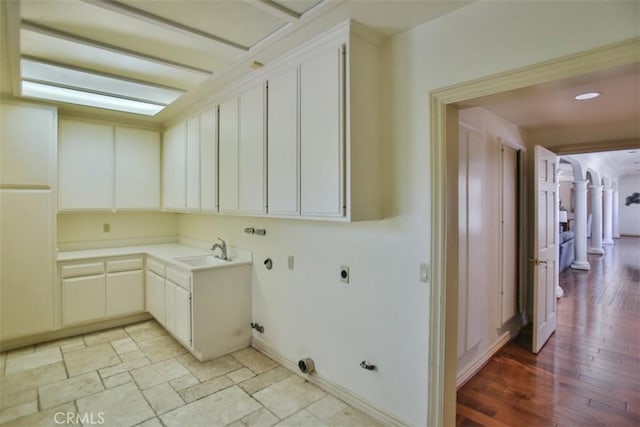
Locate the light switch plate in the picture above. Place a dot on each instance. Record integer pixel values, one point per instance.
(424, 272)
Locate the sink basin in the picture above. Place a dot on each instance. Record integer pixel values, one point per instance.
(202, 260)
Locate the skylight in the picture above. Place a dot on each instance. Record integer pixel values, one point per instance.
(57, 83)
(73, 96)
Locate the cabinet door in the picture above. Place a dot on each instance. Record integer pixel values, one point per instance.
(83, 299)
(209, 161)
(125, 292)
(27, 225)
(28, 137)
(322, 134)
(170, 306)
(182, 329)
(228, 151)
(86, 162)
(283, 161)
(174, 165)
(137, 169)
(251, 152)
(193, 164)
(154, 293)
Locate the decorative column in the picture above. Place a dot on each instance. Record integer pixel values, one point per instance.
(607, 213)
(616, 214)
(580, 226)
(596, 223)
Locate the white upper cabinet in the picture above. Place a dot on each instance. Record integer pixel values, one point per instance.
(86, 165)
(284, 149)
(104, 167)
(190, 164)
(209, 161)
(27, 135)
(321, 134)
(193, 164)
(242, 153)
(137, 169)
(174, 164)
(228, 152)
(251, 151)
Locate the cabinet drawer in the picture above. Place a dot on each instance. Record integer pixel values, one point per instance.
(87, 269)
(124, 265)
(155, 266)
(180, 278)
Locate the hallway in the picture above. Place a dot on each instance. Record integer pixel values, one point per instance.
(589, 371)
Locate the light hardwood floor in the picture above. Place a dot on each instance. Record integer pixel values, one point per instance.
(588, 374)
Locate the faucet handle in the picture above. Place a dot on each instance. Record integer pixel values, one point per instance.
(223, 242)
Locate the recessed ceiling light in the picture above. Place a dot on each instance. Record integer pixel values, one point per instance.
(588, 95)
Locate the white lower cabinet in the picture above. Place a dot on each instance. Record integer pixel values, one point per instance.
(101, 289)
(208, 311)
(83, 299)
(154, 292)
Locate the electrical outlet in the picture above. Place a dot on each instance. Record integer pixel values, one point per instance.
(106, 228)
(344, 273)
(290, 262)
(424, 272)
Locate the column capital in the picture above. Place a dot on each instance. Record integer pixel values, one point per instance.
(580, 184)
(596, 187)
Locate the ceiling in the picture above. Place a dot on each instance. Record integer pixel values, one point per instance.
(152, 54)
(612, 165)
(550, 116)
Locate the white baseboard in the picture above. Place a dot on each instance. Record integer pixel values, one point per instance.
(329, 386)
(72, 331)
(479, 363)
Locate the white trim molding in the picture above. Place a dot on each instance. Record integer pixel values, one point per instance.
(441, 408)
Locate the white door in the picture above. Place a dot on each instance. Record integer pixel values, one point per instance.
(251, 151)
(193, 164)
(209, 161)
(154, 296)
(182, 329)
(284, 150)
(321, 135)
(85, 165)
(545, 270)
(174, 167)
(137, 165)
(228, 156)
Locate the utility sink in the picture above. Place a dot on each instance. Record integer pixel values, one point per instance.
(203, 261)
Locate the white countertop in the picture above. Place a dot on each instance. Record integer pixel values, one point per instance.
(166, 252)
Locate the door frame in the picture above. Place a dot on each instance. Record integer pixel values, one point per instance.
(441, 384)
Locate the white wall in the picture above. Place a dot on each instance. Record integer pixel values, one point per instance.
(77, 231)
(382, 315)
(484, 330)
(629, 222)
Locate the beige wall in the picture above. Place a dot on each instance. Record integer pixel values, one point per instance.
(85, 230)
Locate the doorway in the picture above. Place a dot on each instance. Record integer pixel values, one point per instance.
(444, 221)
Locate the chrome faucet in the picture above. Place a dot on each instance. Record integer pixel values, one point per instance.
(223, 249)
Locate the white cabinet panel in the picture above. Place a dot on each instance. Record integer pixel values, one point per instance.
(174, 163)
(228, 151)
(154, 296)
(170, 306)
(182, 325)
(86, 165)
(125, 292)
(251, 151)
(209, 161)
(193, 164)
(283, 161)
(83, 299)
(321, 136)
(27, 142)
(27, 226)
(137, 177)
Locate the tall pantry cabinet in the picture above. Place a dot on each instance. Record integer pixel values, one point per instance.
(28, 140)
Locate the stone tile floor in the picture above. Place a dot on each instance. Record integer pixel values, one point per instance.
(138, 375)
